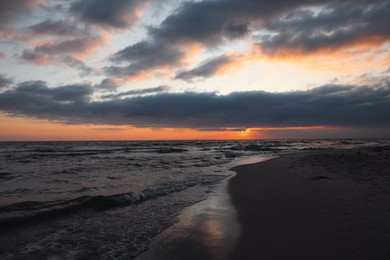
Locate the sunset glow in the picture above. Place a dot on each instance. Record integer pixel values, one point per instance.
(152, 70)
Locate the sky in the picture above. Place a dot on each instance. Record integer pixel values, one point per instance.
(208, 69)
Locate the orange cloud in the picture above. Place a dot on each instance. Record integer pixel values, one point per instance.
(236, 64)
(364, 56)
(48, 52)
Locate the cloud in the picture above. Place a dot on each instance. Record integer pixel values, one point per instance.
(34, 57)
(282, 25)
(332, 105)
(206, 69)
(138, 92)
(334, 27)
(210, 22)
(193, 23)
(79, 65)
(58, 28)
(69, 52)
(10, 10)
(72, 46)
(39, 89)
(4, 81)
(108, 84)
(115, 14)
(144, 56)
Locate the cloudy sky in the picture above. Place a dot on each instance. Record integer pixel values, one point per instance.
(209, 69)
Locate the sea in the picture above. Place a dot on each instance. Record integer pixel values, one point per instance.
(108, 199)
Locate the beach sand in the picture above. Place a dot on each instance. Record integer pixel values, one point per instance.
(311, 205)
(319, 205)
(207, 230)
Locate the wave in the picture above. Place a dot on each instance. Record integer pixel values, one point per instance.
(171, 150)
(33, 211)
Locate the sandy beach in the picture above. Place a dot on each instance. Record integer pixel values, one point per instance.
(319, 205)
(311, 205)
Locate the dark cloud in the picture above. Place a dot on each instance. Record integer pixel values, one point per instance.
(39, 89)
(143, 56)
(66, 51)
(334, 27)
(117, 14)
(206, 69)
(108, 84)
(5, 81)
(11, 9)
(76, 45)
(236, 30)
(209, 22)
(37, 100)
(329, 105)
(212, 23)
(193, 21)
(33, 57)
(78, 65)
(223, 129)
(59, 28)
(138, 92)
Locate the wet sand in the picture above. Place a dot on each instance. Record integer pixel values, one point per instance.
(313, 205)
(319, 205)
(207, 230)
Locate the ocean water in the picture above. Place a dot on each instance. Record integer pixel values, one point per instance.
(106, 200)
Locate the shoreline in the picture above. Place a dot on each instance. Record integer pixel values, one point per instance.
(307, 205)
(206, 230)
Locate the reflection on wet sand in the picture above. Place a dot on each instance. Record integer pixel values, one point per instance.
(206, 230)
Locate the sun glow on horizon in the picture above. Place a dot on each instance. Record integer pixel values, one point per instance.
(26, 129)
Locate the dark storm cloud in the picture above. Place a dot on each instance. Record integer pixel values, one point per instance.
(117, 14)
(332, 28)
(206, 69)
(329, 105)
(5, 81)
